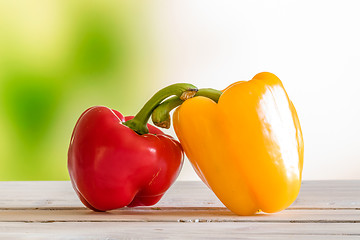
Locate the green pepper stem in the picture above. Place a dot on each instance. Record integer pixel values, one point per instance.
(182, 91)
(211, 93)
(161, 114)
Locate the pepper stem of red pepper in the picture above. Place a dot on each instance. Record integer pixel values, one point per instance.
(182, 91)
(161, 114)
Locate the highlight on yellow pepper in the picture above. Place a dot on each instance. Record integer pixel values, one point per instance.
(244, 142)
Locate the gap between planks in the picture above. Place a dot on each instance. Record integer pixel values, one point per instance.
(221, 215)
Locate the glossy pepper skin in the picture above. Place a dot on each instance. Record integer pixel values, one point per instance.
(248, 147)
(111, 166)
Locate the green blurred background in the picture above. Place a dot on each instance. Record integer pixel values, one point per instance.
(57, 58)
(60, 57)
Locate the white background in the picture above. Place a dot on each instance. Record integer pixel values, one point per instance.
(312, 46)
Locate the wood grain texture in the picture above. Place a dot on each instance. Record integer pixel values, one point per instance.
(51, 210)
(178, 215)
(169, 230)
(189, 194)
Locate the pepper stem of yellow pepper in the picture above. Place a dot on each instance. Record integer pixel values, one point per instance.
(182, 91)
(161, 114)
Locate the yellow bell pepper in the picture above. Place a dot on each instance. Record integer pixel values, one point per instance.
(248, 147)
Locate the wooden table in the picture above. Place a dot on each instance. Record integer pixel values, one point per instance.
(51, 210)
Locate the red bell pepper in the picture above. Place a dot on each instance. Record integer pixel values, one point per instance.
(117, 161)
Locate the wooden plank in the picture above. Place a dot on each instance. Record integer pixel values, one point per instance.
(51, 210)
(178, 215)
(169, 230)
(340, 194)
(38, 194)
(194, 195)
